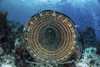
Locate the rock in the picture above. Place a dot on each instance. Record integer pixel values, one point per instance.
(69, 65)
(1, 51)
(5, 65)
(92, 51)
(92, 62)
(82, 65)
(98, 51)
(8, 59)
(97, 64)
(89, 57)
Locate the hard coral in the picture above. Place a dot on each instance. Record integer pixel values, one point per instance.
(89, 36)
(3, 28)
(3, 16)
(6, 37)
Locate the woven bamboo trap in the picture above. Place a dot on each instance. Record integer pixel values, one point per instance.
(50, 36)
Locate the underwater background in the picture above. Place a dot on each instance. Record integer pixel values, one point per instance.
(14, 14)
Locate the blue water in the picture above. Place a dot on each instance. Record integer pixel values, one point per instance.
(83, 12)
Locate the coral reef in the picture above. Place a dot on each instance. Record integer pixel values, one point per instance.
(90, 59)
(9, 32)
(3, 29)
(89, 36)
(3, 16)
(7, 40)
(18, 31)
(1, 51)
(11, 55)
(7, 61)
(6, 37)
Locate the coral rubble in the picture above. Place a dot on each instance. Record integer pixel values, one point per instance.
(87, 61)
